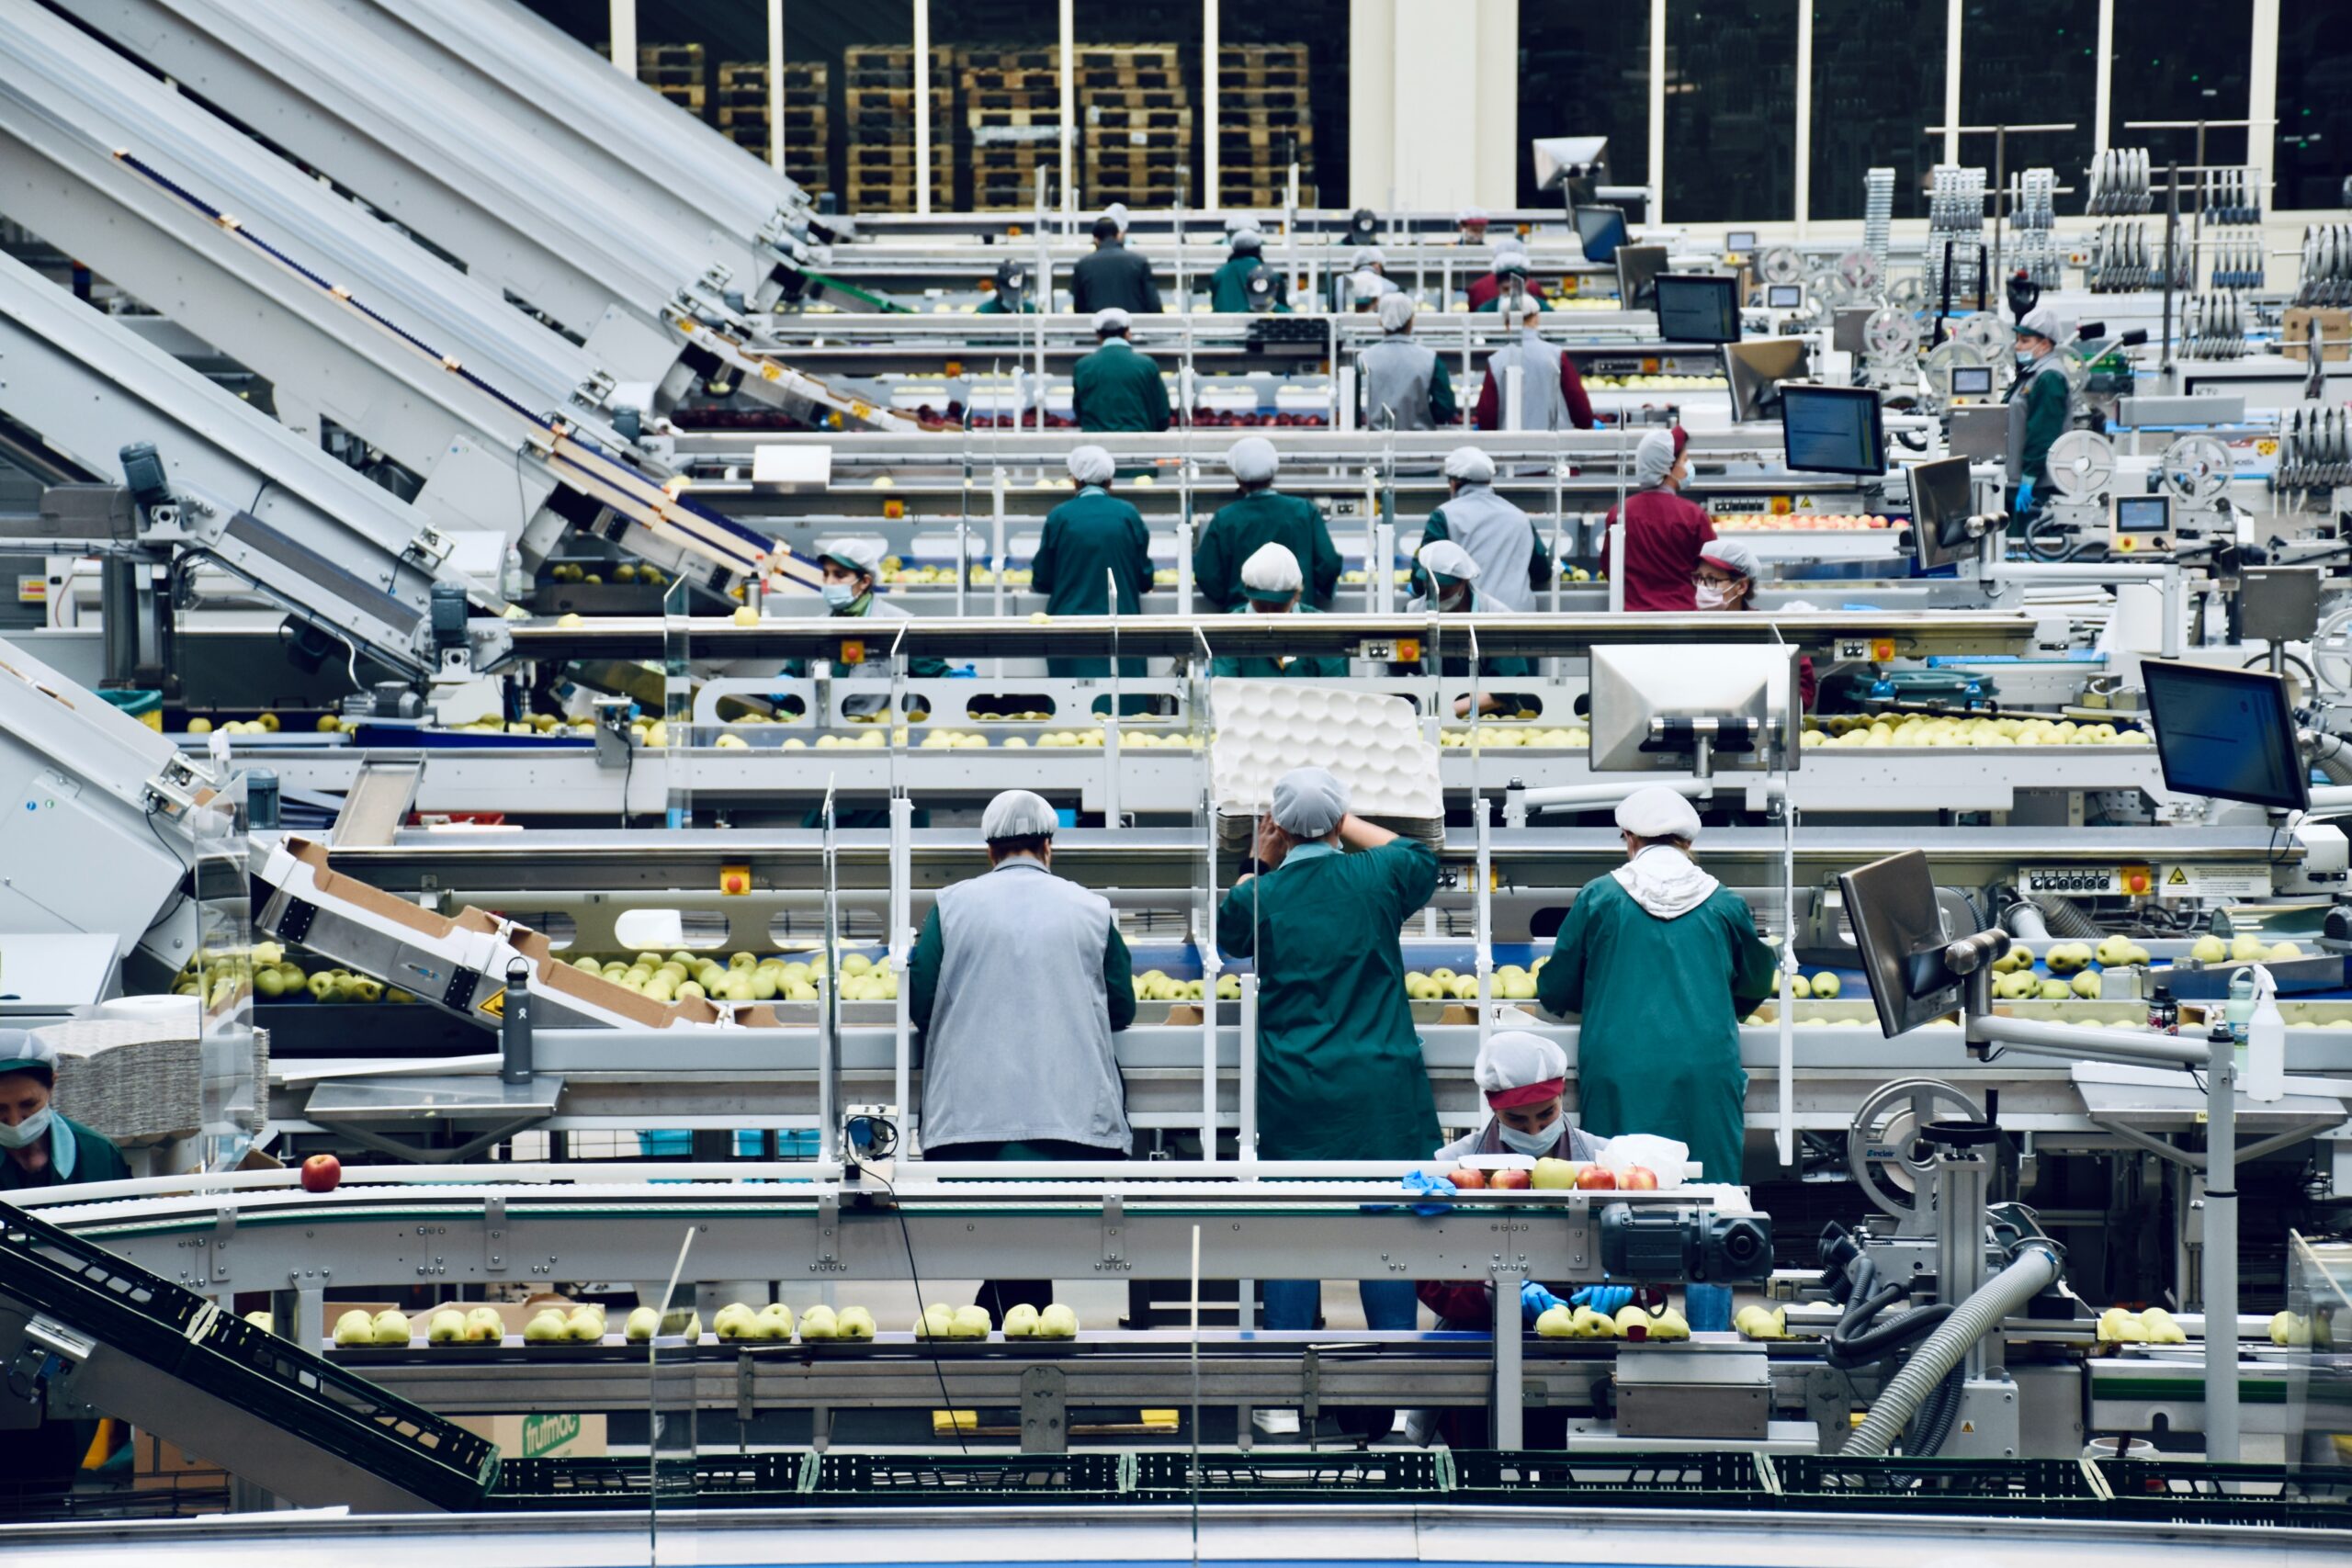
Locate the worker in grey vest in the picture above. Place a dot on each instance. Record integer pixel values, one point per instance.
(1513, 560)
(1018, 982)
(1403, 383)
(1551, 392)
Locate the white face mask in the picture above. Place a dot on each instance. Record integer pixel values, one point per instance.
(1714, 596)
(1520, 1143)
(26, 1133)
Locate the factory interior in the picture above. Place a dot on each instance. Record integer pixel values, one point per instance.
(531, 1034)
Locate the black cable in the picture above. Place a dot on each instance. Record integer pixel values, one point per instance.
(179, 893)
(1844, 1352)
(937, 1372)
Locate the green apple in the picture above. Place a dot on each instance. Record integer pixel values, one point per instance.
(547, 1329)
(392, 1328)
(1057, 1322)
(584, 1323)
(1826, 984)
(972, 1323)
(2086, 986)
(938, 1322)
(2056, 991)
(446, 1327)
(856, 1323)
(2209, 949)
(735, 1321)
(1020, 1321)
(1555, 1322)
(818, 1323)
(1555, 1175)
(355, 1327)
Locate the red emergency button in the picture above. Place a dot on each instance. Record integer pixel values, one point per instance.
(2137, 882)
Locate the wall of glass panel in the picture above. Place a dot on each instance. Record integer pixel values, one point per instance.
(1876, 88)
(2314, 156)
(2184, 60)
(2029, 63)
(1584, 71)
(1730, 109)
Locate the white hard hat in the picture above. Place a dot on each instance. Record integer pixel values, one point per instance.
(1658, 812)
(1271, 574)
(1253, 460)
(1309, 802)
(1090, 465)
(1470, 465)
(1018, 813)
(1112, 319)
(1443, 557)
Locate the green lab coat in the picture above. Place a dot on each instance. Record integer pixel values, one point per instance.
(2045, 398)
(1117, 388)
(1340, 1069)
(1092, 533)
(1263, 517)
(1250, 667)
(1661, 1001)
(994, 306)
(1228, 286)
(95, 1160)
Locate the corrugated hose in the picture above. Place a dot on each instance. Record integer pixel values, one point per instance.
(2035, 1266)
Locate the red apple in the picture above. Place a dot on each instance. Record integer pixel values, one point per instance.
(1513, 1180)
(1596, 1179)
(321, 1173)
(1467, 1177)
(1639, 1179)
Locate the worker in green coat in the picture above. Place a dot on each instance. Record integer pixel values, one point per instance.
(853, 567)
(1269, 586)
(1008, 294)
(1116, 388)
(2041, 401)
(1230, 284)
(1262, 515)
(1094, 543)
(1662, 960)
(1445, 578)
(1340, 1069)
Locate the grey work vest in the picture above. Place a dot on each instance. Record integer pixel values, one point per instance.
(2047, 365)
(1499, 538)
(1542, 405)
(1397, 374)
(1020, 1040)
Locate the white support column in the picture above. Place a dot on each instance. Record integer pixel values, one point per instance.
(2262, 99)
(1212, 38)
(1658, 110)
(1069, 114)
(775, 84)
(1804, 115)
(2103, 94)
(922, 107)
(623, 34)
(1952, 12)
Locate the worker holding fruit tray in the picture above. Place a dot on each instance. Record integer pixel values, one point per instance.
(1661, 961)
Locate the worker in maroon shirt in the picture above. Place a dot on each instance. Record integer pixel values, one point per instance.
(1551, 392)
(1663, 533)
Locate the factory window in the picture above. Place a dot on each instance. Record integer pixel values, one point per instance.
(2028, 63)
(1585, 70)
(2315, 107)
(1730, 110)
(1875, 91)
(2185, 60)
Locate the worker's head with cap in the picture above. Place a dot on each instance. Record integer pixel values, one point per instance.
(1247, 242)
(1271, 580)
(1371, 258)
(2040, 331)
(1529, 314)
(1658, 462)
(1510, 262)
(1468, 466)
(27, 1075)
(1254, 462)
(1019, 823)
(1656, 815)
(850, 566)
(1725, 576)
(1309, 805)
(1523, 1076)
(1090, 465)
(1112, 322)
(1395, 312)
(1451, 569)
(1106, 231)
(1117, 213)
(1472, 222)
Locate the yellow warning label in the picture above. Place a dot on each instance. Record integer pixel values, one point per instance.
(496, 1006)
(2179, 877)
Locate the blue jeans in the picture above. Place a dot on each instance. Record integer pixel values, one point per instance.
(1707, 1307)
(1292, 1303)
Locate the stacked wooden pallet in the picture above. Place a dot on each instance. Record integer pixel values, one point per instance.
(743, 94)
(1012, 120)
(1263, 123)
(678, 72)
(1135, 124)
(878, 110)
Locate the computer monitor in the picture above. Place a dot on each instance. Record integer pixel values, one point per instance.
(1972, 381)
(1901, 934)
(1833, 430)
(1784, 296)
(1980, 431)
(1849, 328)
(1638, 270)
(2139, 523)
(1756, 370)
(1942, 500)
(1698, 307)
(1600, 230)
(2226, 733)
(1739, 241)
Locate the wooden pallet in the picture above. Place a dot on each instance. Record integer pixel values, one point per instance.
(993, 81)
(1118, 117)
(1101, 80)
(798, 75)
(1050, 114)
(1043, 57)
(1287, 56)
(1270, 101)
(894, 97)
(1260, 78)
(685, 95)
(1129, 56)
(1266, 138)
(1134, 98)
(1249, 116)
(798, 119)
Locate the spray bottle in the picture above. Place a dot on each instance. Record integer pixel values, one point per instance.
(2262, 1065)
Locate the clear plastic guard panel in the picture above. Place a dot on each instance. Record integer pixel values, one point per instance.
(672, 1437)
(2314, 1332)
(678, 701)
(220, 872)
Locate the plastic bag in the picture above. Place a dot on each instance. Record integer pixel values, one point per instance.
(1662, 1157)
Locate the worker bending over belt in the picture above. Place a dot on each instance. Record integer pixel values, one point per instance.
(1269, 586)
(1513, 560)
(1021, 1071)
(1725, 579)
(1447, 577)
(1663, 533)
(1093, 544)
(1661, 961)
(853, 567)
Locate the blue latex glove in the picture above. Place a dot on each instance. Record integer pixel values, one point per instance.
(1423, 1185)
(2025, 495)
(1606, 1299)
(1534, 1300)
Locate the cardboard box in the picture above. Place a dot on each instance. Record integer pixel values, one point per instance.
(157, 1464)
(561, 1434)
(2334, 331)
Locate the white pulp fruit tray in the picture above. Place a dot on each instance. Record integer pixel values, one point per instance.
(1373, 744)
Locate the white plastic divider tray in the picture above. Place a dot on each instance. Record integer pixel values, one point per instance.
(1371, 743)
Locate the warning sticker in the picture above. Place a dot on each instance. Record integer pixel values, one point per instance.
(2228, 879)
(496, 1004)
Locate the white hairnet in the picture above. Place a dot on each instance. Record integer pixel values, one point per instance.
(1253, 460)
(1395, 311)
(1112, 319)
(1271, 573)
(1471, 215)
(1658, 812)
(1090, 465)
(858, 555)
(1117, 213)
(1309, 802)
(1469, 465)
(1369, 255)
(1445, 558)
(1515, 1058)
(1653, 458)
(22, 1051)
(1505, 242)
(1511, 260)
(1018, 814)
(1732, 555)
(1247, 239)
(2043, 321)
(1531, 309)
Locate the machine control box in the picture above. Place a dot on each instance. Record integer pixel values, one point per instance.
(2088, 881)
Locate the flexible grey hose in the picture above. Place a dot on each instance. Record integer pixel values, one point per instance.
(2333, 757)
(2024, 921)
(2034, 1267)
(2057, 917)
